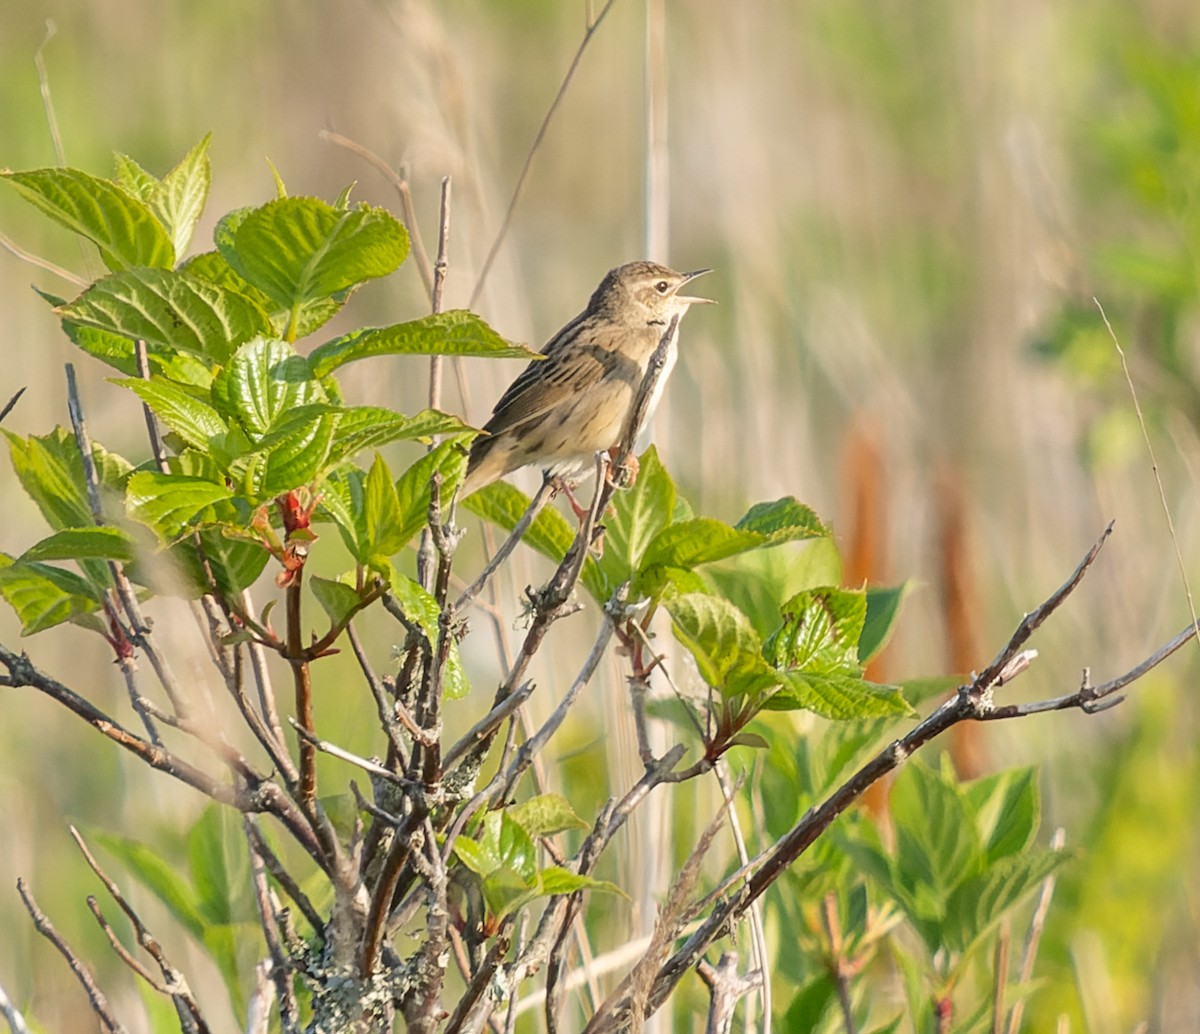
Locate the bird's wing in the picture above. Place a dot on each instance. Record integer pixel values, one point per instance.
(577, 359)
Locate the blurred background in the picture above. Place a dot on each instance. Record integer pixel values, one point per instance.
(910, 207)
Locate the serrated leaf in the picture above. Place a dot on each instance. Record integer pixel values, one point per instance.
(820, 632)
(196, 422)
(263, 381)
(133, 179)
(171, 505)
(234, 563)
(700, 540)
(784, 520)
(369, 427)
(178, 199)
(457, 332)
(544, 814)
(638, 514)
(726, 648)
(836, 696)
(501, 844)
(173, 309)
(419, 606)
(413, 486)
(123, 228)
(44, 596)
(50, 470)
(382, 512)
(342, 502)
(337, 599)
(100, 543)
(505, 891)
(121, 354)
(301, 249)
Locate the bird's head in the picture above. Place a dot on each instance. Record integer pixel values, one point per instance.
(645, 293)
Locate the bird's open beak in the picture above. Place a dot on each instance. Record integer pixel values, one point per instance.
(687, 278)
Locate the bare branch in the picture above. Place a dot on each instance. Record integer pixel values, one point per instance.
(16, 1022)
(280, 966)
(173, 983)
(96, 997)
(726, 988)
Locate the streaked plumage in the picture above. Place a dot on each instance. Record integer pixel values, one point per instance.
(563, 409)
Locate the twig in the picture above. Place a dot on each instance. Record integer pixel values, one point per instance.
(173, 984)
(260, 847)
(1162, 492)
(439, 286)
(1034, 936)
(140, 633)
(96, 997)
(487, 724)
(333, 750)
(11, 246)
(589, 32)
(536, 504)
(408, 210)
(280, 965)
(39, 61)
(16, 1022)
(1000, 975)
(10, 403)
(726, 987)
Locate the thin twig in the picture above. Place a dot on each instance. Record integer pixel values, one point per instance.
(10, 403)
(260, 847)
(96, 997)
(11, 246)
(589, 32)
(1034, 936)
(1162, 492)
(408, 210)
(280, 966)
(16, 1022)
(1000, 975)
(39, 61)
(173, 983)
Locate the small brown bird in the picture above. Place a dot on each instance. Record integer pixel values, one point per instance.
(563, 409)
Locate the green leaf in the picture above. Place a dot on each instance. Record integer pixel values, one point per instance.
(457, 332)
(369, 427)
(50, 469)
(639, 513)
(544, 814)
(196, 422)
(719, 636)
(173, 504)
(980, 902)
(159, 877)
(419, 606)
(301, 249)
(337, 599)
(121, 353)
(413, 486)
(178, 200)
(505, 891)
(550, 533)
(172, 309)
(557, 880)
(382, 512)
(123, 228)
(937, 845)
(837, 696)
(883, 606)
(99, 543)
(264, 381)
(820, 632)
(219, 863)
(784, 520)
(700, 540)
(133, 179)
(502, 844)
(43, 596)
(1007, 811)
(234, 563)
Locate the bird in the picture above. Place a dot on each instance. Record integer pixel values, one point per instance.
(564, 408)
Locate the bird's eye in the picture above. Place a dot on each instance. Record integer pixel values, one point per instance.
(661, 287)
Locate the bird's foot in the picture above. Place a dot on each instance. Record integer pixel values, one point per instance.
(625, 475)
(561, 484)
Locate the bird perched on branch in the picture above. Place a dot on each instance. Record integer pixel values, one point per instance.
(565, 408)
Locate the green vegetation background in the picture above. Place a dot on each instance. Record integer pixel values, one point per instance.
(910, 207)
